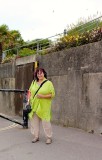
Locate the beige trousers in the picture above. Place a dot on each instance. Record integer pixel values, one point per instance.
(35, 127)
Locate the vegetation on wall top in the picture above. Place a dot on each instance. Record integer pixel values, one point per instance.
(82, 33)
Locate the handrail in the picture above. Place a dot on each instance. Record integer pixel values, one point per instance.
(12, 90)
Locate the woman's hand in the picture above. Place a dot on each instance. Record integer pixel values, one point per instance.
(44, 96)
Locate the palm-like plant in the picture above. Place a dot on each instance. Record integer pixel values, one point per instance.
(9, 39)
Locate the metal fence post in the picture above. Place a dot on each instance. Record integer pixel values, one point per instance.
(37, 47)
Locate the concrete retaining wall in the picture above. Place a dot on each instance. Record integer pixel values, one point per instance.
(7, 81)
(77, 76)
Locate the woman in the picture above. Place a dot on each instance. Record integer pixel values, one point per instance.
(41, 105)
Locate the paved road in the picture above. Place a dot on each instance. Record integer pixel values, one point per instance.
(68, 144)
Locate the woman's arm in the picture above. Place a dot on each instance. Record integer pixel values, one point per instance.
(46, 96)
(51, 92)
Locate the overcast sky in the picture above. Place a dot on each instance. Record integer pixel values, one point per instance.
(45, 18)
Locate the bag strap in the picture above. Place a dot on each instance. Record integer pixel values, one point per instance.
(40, 87)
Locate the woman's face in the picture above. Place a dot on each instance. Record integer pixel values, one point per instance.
(40, 75)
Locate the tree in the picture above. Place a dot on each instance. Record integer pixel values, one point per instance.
(9, 39)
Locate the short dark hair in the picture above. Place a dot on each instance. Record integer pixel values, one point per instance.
(42, 70)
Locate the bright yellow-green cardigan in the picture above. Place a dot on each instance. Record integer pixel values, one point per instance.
(42, 107)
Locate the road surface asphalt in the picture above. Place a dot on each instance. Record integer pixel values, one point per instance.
(68, 144)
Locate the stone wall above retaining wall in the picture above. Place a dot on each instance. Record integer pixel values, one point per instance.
(25, 60)
(87, 58)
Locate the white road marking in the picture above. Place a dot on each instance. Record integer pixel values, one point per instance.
(9, 127)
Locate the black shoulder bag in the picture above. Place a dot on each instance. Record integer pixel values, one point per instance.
(28, 106)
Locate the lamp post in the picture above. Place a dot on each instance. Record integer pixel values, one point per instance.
(65, 32)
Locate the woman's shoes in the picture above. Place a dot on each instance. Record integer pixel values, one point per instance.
(48, 141)
(35, 140)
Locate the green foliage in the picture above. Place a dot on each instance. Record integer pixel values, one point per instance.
(9, 38)
(79, 39)
(3, 30)
(40, 43)
(22, 53)
(83, 27)
(80, 34)
(26, 52)
(9, 58)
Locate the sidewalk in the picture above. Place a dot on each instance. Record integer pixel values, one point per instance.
(68, 144)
